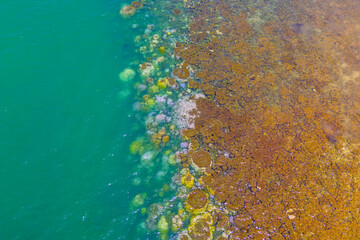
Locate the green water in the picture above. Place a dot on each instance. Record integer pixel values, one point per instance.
(64, 165)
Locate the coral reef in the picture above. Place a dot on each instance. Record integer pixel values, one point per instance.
(270, 148)
(279, 119)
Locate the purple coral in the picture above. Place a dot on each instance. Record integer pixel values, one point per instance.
(184, 145)
(160, 99)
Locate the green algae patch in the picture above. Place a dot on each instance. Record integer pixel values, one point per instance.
(127, 75)
(138, 201)
(136, 147)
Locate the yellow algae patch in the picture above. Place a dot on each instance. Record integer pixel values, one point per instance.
(162, 83)
(162, 50)
(188, 180)
(135, 147)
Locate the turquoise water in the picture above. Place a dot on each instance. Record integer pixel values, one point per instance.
(64, 168)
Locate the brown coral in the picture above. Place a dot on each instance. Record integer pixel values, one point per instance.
(136, 4)
(197, 199)
(190, 133)
(182, 73)
(201, 159)
(171, 82)
(127, 11)
(176, 11)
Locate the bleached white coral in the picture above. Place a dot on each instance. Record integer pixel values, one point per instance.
(184, 112)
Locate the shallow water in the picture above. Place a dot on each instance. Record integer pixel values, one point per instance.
(64, 168)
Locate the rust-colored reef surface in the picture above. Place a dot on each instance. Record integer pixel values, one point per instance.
(277, 138)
